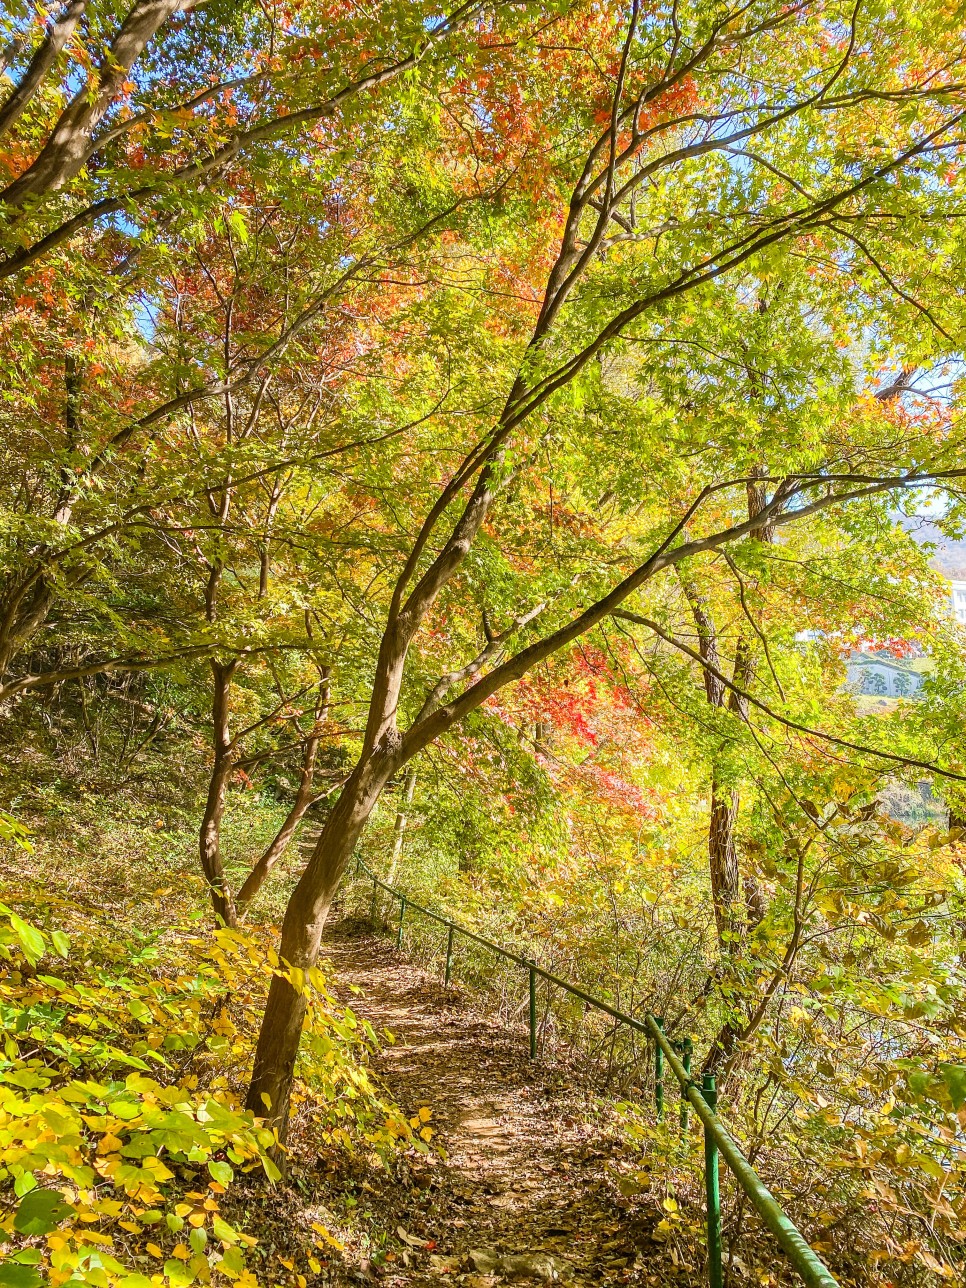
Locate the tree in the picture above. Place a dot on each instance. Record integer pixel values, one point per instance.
(172, 94)
(128, 136)
(683, 182)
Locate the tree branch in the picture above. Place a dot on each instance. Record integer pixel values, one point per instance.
(747, 697)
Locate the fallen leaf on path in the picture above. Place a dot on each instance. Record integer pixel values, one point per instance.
(410, 1238)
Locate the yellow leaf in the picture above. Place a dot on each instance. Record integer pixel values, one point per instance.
(425, 1114)
(158, 1169)
(95, 1236)
(181, 1252)
(330, 1239)
(670, 1205)
(154, 1250)
(427, 1133)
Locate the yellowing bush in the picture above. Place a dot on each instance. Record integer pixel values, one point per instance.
(120, 1120)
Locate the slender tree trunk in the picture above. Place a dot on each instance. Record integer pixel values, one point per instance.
(739, 905)
(209, 839)
(722, 853)
(399, 827)
(26, 605)
(21, 616)
(278, 1041)
(723, 858)
(280, 843)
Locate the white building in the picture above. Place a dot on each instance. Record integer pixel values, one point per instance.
(957, 594)
(881, 677)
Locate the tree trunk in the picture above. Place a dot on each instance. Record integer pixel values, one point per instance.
(722, 854)
(726, 889)
(26, 607)
(278, 1040)
(41, 63)
(399, 827)
(303, 799)
(64, 152)
(209, 840)
(22, 614)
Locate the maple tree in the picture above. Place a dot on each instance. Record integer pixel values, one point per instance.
(603, 282)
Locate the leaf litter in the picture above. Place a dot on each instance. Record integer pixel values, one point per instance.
(516, 1188)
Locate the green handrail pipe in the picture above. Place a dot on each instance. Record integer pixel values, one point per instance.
(804, 1258)
(712, 1189)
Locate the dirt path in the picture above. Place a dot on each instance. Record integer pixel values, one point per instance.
(523, 1192)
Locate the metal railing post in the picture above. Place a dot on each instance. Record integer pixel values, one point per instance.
(687, 1047)
(372, 906)
(712, 1190)
(449, 955)
(402, 913)
(533, 1010)
(659, 1073)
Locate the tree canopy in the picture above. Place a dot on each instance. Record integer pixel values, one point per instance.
(501, 416)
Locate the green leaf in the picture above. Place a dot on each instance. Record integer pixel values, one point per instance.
(31, 940)
(236, 221)
(232, 1263)
(920, 1083)
(954, 1076)
(178, 1273)
(41, 1211)
(61, 942)
(14, 1276)
(223, 1231)
(221, 1172)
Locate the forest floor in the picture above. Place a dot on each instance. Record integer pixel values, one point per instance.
(518, 1187)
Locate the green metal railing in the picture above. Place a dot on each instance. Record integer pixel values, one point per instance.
(703, 1099)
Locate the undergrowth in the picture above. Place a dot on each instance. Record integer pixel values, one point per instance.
(124, 1146)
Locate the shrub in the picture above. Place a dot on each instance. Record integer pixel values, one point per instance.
(120, 1126)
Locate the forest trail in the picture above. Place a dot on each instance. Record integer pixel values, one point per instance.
(522, 1193)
